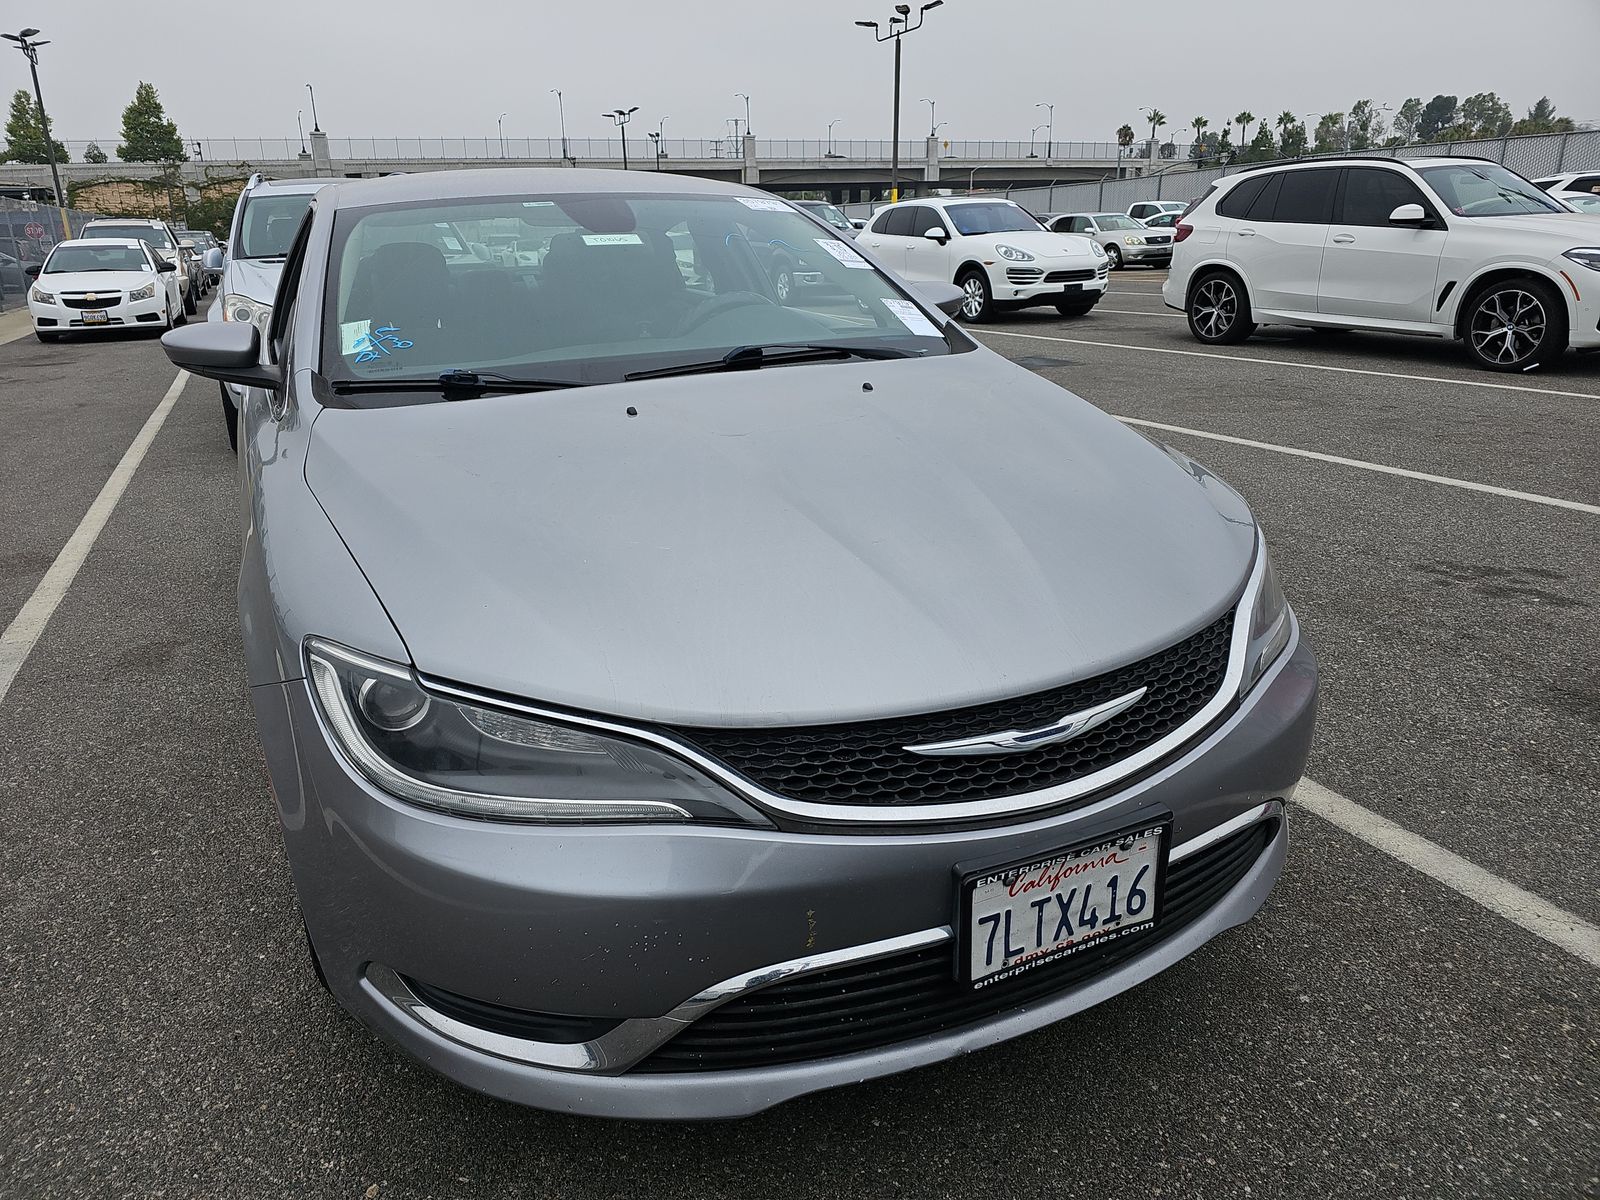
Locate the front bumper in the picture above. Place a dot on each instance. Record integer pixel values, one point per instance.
(62, 318)
(1146, 254)
(1017, 286)
(639, 924)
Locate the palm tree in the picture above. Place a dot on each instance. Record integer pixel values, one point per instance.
(1124, 140)
(1285, 122)
(1243, 121)
(1157, 119)
(1199, 125)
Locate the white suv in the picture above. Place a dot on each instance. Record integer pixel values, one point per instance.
(1143, 210)
(993, 250)
(1445, 247)
(161, 239)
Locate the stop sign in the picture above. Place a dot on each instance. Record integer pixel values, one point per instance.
(34, 230)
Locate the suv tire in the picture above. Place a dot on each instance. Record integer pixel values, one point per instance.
(1515, 325)
(978, 306)
(1219, 309)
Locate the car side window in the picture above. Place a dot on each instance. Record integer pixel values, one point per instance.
(1239, 198)
(1261, 208)
(900, 220)
(1372, 193)
(1078, 225)
(880, 223)
(1306, 197)
(1584, 183)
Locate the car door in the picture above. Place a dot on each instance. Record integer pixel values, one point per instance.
(1372, 269)
(1277, 240)
(926, 258)
(884, 236)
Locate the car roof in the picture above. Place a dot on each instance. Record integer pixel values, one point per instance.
(98, 242)
(487, 182)
(290, 186)
(124, 221)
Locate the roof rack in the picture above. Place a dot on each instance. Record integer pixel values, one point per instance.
(1351, 156)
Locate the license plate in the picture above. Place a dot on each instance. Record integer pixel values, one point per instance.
(1021, 916)
(94, 316)
(1072, 287)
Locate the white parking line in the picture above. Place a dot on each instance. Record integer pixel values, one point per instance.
(1448, 481)
(17, 642)
(1291, 363)
(1537, 915)
(1134, 312)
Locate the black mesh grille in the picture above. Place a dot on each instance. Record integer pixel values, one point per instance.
(1069, 276)
(866, 763)
(101, 300)
(913, 995)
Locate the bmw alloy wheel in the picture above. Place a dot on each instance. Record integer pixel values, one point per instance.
(1216, 307)
(1508, 327)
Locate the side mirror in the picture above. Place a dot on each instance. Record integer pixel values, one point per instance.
(937, 234)
(225, 350)
(858, 223)
(1410, 214)
(163, 267)
(946, 297)
(212, 260)
(32, 270)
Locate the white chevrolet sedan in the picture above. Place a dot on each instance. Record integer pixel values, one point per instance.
(103, 283)
(993, 250)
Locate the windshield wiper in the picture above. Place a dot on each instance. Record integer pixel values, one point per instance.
(781, 354)
(457, 385)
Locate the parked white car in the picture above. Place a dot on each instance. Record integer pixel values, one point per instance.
(103, 283)
(1573, 183)
(1152, 208)
(830, 214)
(1444, 247)
(994, 250)
(1125, 240)
(162, 239)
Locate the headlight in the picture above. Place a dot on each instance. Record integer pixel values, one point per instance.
(39, 295)
(1099, 250)
(460, 758)
(246, 311)
(1269, 627)
(1585, 256)
(144, 293)
(1133, 239)
(1012, 254)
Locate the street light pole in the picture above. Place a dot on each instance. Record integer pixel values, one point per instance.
(901, 18)
(500, 124)
(562, 110)
(1050, 124)
(831, 124)
(300, 124)
(749, 129)
(621, 116)
(316, 126)
(31, 50)
(661, 127)
(932, 109)
(1032, 135)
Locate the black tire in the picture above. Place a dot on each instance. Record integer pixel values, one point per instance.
(46, 337)
(189, 306)
(230, 418)
(1114, 253)
(978, 306)
(1515, 325)
(1075, 308)
(1219, 309)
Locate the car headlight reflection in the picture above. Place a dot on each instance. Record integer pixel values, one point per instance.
(146, 292)
(1133, 239)
(1270, 625)
(1012, 254)
(461, 758)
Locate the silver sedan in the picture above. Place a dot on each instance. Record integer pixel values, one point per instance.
(1126, 240)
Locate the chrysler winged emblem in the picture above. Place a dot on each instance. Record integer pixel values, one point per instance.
(1064, 729)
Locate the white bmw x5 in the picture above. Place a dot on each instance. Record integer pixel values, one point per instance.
(1444, 247)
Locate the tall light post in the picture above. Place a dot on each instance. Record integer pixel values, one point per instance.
(621, 117)
(500, 124)
(749, 129)
(657, 137)
(31, 49)
(831, 124)
(316, 126)
(1032, 134)
(1050, 124)
(300, 124)
(561, 110)
(902, 20)
(932, 109)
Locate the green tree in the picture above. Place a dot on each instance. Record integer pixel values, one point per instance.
(1542, 118)
(1365, 125)
(1486, 115)
(1262, 147)
(1242, 120)
(1124, 140)
(1330, 133)
(1157, 119)
(1198, 148)
(1292, 144)
(1224, 145)
(25, 132)
(1405, 121)
(92, 153)
(147, 134)
(1437, 115)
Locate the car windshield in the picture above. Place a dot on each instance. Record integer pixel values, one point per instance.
(1588, 204)
(150, 235)
(990, 216)
(1116, 221)
(1482, 189)
(269, 224)
(830, 214)
(592, 288)
(96, 258)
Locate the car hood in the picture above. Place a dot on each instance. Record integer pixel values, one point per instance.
(1578, 229)
(94, 281)
(255, 278)
(779, 546)
(1044, 243)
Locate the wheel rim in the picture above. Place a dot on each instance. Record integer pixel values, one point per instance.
(1216, 307)
(1114, 255)
(972, 306)
(783, 285)
(1508, 326)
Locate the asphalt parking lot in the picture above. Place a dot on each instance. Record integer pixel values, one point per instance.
(1393, 1024)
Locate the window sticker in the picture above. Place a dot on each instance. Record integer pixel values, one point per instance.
(538, 204)
(375, 345)
(612, 239)
(764, 203)
(844, 253)
(911, 317)
(349, 333)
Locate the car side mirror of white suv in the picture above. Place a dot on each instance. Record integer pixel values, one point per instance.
(937, 234)
(1410, 214)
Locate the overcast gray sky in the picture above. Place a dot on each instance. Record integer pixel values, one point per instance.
(412, 68)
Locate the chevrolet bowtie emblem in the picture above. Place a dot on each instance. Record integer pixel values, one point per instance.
(1013, 740)
(91, 296)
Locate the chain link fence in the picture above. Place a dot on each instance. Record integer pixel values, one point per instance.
(1534, 156)
(28, 230)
